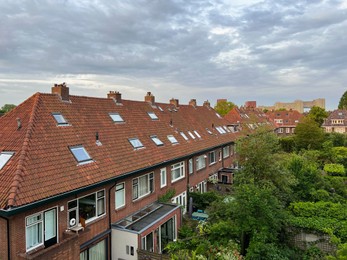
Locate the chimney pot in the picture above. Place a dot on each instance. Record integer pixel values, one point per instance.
(62, 90)
(207, 104)
(174, 102)
(192, 102)
(150, 98)
(116, 96)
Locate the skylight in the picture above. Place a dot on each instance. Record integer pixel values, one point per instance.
(156, 140)
(220, 130)
(191, 135)
(160, 109)
(60, 119)
(184, 136)
(4, 158)
(116, 117)
(136, 143)
(226, 129)
(197, 134)
(80, 154)
(218, 115)
(152, 115)
(172, 139)
(208, 131)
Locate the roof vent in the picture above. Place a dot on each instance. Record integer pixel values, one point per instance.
(116, 96)
(19, 124)
(62, 90)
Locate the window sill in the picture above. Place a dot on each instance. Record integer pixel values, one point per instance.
(178, 179)
(120, 208)
(212, 163)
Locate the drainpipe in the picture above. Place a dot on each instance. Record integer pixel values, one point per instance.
(8, 237)
(109, 215)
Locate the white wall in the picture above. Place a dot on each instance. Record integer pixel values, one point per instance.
(119, 242)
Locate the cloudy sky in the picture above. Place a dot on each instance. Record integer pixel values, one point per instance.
(268, 51)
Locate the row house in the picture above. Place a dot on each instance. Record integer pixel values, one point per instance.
(84, 177)
(336, 122)
(285, 121)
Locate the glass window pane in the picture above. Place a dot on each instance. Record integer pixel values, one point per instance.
(4, 158)
(135, 142)
(152, 116)
(116, 117)
(80, 154)
(98, 252)
(87, 207)
(172, 139)
(156, 140)
(60, 119)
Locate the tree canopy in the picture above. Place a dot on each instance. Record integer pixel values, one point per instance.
(223, 107)
(343, 101)
(308, 134)
(318, 114)
(6, 108)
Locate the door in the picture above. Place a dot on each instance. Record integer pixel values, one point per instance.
(224, 179)
(50, 225)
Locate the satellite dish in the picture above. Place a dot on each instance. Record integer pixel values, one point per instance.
(72, 222)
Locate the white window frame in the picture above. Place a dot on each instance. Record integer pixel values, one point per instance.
(163, 177)
(184, 136)
(37, 222)
(212, 159)
(60, 119)
(136, 143)
(197, 134)
(120, 191)
(226, 151)
(181, 200)
(177, 168)
(200, 162)
(137, 188)
(85, 159)
(77, 208)
(156, 140)
(191, 166)
(172, 139)
(191, 135)
(116, 117)
(152, 115)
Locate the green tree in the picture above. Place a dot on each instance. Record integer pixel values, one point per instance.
(7, 107)
(343, 101)
(308, 134)
(318, 114)
(223, 107)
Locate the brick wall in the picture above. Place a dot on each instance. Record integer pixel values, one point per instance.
(3, 239)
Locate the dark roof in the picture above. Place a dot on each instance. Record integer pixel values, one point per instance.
(43, 166)
(336, 114)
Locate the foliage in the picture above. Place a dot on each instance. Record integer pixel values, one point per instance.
(334, 169)
(313, 253)
(318, 114)
(308, 134)
(343, 101)
(202, 200)
(223, 107)
(167, 196)
(341, 253)
(6, 108)
(287, 144)
(337, 139)
(339, 155)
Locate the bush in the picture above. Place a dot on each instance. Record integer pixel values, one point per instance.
(334, 169)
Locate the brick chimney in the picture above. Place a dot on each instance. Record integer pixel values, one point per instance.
(62, 90)
(250, 104)
(192, 102)
(150, 98)
(207, 104)
(174, 102)
(115, 95)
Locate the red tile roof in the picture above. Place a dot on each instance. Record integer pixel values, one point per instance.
(43, 165)
(290, 118)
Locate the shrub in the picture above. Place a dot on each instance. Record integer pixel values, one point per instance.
(334, 169)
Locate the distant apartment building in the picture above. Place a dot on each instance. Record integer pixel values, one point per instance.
(285, 121)
(336, 122)
(297, 105)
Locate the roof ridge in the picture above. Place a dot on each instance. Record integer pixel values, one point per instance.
(18, 176)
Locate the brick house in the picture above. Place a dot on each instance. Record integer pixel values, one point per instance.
(285, 121)
(80, 177)
(336, 122)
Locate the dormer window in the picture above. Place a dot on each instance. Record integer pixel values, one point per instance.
(197, 134)
(4, 158)
(184, 136)
(191, 135)
(136, 143)
(80, 154)
(116, 117)
(172, 139)
(156, 140)
(60, 119)
(152, 115)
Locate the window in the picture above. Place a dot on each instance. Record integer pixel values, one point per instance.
(226, 151)
(212, 157)
(184, 136)
(160, 109)
(86, 208)
(156, 140)
(147, 242)
(4, 158)
(208, 131)
(201, 187)
(191, 135)
(136, 143)
(41, 229)
(181, 200)
(162, 177)
(220, 130)
(34, 231)
(143, 185)
(172, 139)
(280, 130)
(152, 115)
(226, 129)
(177, 171)
(97, 251)
(287, 130)
(116, 117)
(60, 119)
(200, 162)
(190, 166)
(218, 115)
(167, 233)
(80, 154)
(120, 195)
(197, 134)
